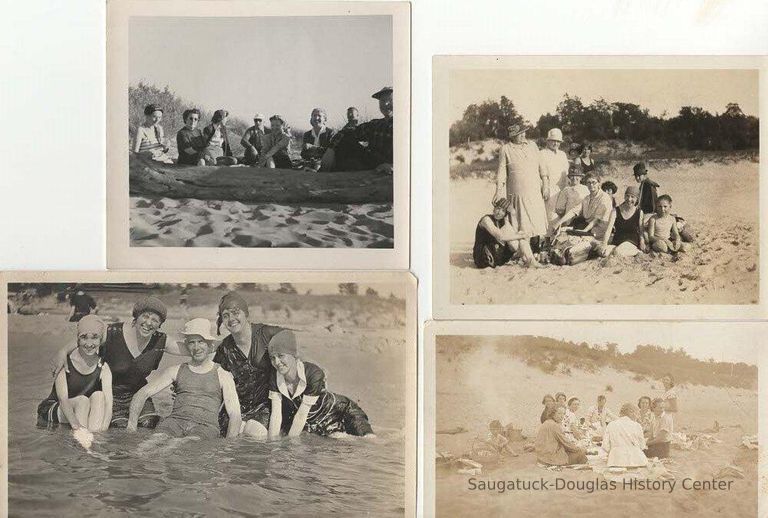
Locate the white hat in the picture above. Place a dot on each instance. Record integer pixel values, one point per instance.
(200, 327)
(555, 134)
(259, 116)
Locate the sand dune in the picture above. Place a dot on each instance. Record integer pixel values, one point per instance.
(486, 385)
(189, 222)
(719, 199)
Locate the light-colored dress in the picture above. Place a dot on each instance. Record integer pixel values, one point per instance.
(623, 440)
(553, 164)
(520, 164)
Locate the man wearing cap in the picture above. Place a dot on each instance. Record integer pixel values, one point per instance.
(253, 140)
(316, 141)
(345, 152)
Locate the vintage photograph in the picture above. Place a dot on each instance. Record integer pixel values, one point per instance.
(596, 184)
(291, 394)
(259, 128)
(584, 418)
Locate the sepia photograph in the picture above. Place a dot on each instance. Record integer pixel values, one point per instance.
(290, 394)
(258, 127)
(597, 181)
(585, 418)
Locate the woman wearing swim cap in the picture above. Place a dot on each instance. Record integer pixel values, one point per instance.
(132, 350)
(82, 395)
(244, 354)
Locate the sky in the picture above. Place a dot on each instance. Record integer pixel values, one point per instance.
(285, 65)
(536, 92)
(735, 343)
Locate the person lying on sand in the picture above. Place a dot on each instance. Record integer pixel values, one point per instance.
(571, 196)
(315, 142)
(82, 395)
(275, 146)
(218, 152)
(497, 239)
(190, 141)
(648, 189)
(345, 152)
(300, 400)
(253, 140)
(623, 439)
(552, 447)
(628, 237)
(662, 229)
(150, 137)
(662, 428)
(200, 386)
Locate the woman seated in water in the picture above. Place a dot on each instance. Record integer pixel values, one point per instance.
(199, 387)
(218, 151)
(300, 400)
(623, 439)
(82, 395)
(150, 138)
(132, 350)
(552, 447)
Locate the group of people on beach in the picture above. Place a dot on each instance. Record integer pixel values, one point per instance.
(640, 431)
(253, 382)
(549, 209)
(355, 147)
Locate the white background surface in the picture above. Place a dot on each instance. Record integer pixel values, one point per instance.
(52, 99)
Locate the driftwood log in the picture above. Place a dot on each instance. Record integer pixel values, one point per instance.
(256, 184)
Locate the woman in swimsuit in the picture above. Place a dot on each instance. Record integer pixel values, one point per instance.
(82, 395)
(628, 225)
(244, 354)
(300, 400)
(132, 351)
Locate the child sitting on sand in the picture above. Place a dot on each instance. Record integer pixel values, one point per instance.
(82, 395)
(497, 239)
(300, 400)
(662, 228)
(200, 387)
(496, 439)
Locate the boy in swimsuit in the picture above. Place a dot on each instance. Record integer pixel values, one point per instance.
(82, 394)
(662, 229)
(200, 387)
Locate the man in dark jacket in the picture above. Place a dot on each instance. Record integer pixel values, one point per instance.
(648, 189)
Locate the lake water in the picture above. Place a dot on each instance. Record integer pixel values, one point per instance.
(50, 474)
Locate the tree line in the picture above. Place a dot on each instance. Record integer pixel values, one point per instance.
(692, 128)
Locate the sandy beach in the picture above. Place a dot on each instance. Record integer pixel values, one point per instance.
(719, 198)
(468, 398)
(193, 223)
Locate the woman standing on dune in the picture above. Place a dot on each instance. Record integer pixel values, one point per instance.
(244, 354)
(520, 179)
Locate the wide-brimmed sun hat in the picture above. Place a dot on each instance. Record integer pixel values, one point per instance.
(555, 134)
(516, 129)
(259, 116)
(200, 327)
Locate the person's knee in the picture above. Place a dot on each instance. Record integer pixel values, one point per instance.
(97, 398)
(660, 246)
(255, 429)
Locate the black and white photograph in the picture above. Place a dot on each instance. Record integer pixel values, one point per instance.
(210, 394)
(256, 129)
(591, 180)
(588, 418)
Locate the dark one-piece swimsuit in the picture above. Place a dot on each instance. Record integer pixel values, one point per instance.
(78, 384)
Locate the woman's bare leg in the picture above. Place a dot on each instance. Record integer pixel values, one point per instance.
(254, 429)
